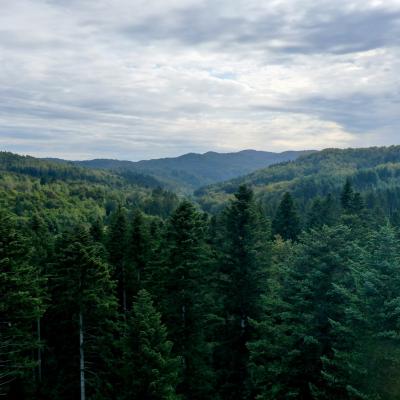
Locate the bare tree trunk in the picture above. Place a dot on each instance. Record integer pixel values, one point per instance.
(125, 307)
(39, 350)
(183, 342)
(81, 357)
(124, 304)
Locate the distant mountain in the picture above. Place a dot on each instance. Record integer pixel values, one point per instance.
(374, 171)
(191, 171)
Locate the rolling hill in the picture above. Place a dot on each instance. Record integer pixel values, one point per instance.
(374, 171)
(191, 171)
(65, 193)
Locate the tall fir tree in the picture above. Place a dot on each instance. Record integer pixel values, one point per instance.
(150, 371)
(313, 302)
(266, 372)
(242, 275)
(138, 253)
(180, 289)
(352, 202)
(117, 248)
(42, 243)
(286, 222)
(347, 196)
(21, 305)
(368, 366)
(81, 321)
(323, 211)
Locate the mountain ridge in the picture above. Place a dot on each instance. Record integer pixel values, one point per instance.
(191, 171)
(317, 174)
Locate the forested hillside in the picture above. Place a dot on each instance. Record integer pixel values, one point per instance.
(192, 170)
(375, 172)
(64, 193)
(115, 290)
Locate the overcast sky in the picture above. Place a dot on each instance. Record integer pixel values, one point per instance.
(138, 79)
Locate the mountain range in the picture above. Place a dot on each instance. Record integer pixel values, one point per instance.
(192, 171)
(374, 171)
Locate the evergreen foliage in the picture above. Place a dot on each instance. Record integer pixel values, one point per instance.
(120, 291)
(21, 304)
(243, 272)
(150, 371)
(286, 222)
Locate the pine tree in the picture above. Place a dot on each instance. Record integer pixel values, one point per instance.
(139, 248)
(243, 271)
(266, 371)
(323, 212)
(368, 366)
(150, 370)
(117, 249)
(81, 321)
(180, 289)
(286, 222)
(347, 196)
(42, 244)
(352, 202)
(21, 305)
(314, 300)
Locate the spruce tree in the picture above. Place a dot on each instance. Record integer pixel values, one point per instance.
(179, 284)
(286, 222)
(81, 321)
(42, 243)
(314, 300)
(138, 253)
(266, 371)
(368, 365)
(117, 248)
(21, 305)
(323, 212)
(149, 369)
(352, 202)
(242, 277)
(347, 196)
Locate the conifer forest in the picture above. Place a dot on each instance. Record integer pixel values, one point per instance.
(280, 284)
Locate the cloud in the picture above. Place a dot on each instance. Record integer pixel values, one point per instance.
(134, 80)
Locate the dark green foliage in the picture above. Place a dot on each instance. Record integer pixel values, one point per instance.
(117, 242)
(372, 362)
(239, 312)
(179, 284)
(312, 302)
(138, 248)
(286, 222)
(149, 369)
(243, 272)
(82, 299)
(352, 202)
(323, 212)
(371, 170)
(21, 304)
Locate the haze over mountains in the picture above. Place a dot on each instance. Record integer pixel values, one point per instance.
(191, 171)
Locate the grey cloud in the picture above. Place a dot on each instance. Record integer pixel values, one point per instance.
(148, 79)
(341, 32)
(353, 32)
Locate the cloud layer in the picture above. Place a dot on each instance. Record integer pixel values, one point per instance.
(141, 79)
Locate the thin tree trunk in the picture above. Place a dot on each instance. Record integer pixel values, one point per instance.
(82, 357)
(123, 284)
(39, 350)
(125, 307)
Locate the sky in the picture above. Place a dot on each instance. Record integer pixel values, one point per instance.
(139, 79)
